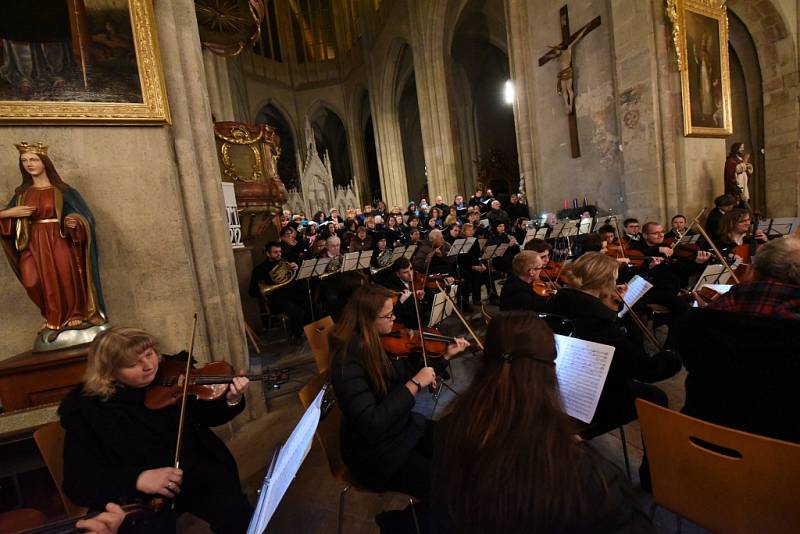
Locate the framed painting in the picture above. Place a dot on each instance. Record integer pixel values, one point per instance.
(700, 34)
(80, 61)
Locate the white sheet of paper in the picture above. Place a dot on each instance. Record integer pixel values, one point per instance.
(530, 234)
(456, 247)
(541, 233)
(350, 261)
(306, 269)
(637, 287)
(712, 274)
(397, 253)
(581, 369)
(288, 462)
(320, 268)
(410, 251)
(720, 288)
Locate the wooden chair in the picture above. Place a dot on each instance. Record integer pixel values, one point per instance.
(328, 437)
(50, 441)
(722, 479)
(317, 336)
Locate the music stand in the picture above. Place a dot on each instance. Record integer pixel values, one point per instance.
(409, 253)
(305, 272)
(712, 275)
(440, 308)
(530, 234)
(356, 260)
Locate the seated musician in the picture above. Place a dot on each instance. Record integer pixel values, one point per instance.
(722, 205)
(500, 236)
(517, 292)
(452, 233)
(118, 450)
(667, 278)
(608, 233)
(336, 287)
(290, 299)
(734, 230)
(431, 256)
(523, 470)
(385, 445)
(630, 228)
(592, 306)
(399, 279)
(541, 247)
(679, 228)
(741, 351)
(379, 238)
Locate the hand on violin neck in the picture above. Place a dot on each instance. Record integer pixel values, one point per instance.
(458, 345)
(236, 389)
(107, 522)
(702, 256)
(666, 251)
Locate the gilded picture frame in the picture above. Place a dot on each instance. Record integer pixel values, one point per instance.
(81, 62)
(700, 35)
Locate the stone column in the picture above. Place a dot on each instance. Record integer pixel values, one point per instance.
(385, 119)
(208, 248)
(219, 86)
(521, 54)
(440, 141)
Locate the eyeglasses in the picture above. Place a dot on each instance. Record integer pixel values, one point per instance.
(390, 317)
(655, 233)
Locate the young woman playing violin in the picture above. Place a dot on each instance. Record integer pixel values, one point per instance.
(385, 444)
(118, 450)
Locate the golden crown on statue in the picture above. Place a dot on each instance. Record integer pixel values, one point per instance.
(32, 148)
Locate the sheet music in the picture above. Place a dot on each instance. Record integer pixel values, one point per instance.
(712, 274)
(470, 242)
(438, 309)
(581, 370)
(611, 220)
(285, 466)
(397, 253)
(541, 233)
(410, 251)
(784, 226)
(306, 269)
(689, 239)
(455, 248)
(530, 234)
(720, 288)
(501, 249)
(585, 226)
(637, 287)
(365, 259)
(321, 265)
(558, 229)
(350, 261)
(488, 251)
(482, 243)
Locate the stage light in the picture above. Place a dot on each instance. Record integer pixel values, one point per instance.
(508, 92)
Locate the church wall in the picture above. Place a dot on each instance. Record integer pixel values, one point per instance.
(596, 174)
(161, 224)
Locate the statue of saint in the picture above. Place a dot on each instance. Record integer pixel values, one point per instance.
(48, 235)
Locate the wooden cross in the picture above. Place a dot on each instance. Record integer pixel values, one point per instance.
(563, 50)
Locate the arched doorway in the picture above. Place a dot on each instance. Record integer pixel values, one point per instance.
(411, 128)
(747, 103)
(287, 163)
(331, 136)
(480, 70)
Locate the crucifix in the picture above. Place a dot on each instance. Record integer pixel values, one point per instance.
(565, 89)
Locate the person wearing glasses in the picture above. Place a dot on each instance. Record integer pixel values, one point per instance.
(385, 444)
(518, 293)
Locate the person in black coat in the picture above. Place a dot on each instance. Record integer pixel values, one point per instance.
(517, 292)
(385, 445)
(118, 450)
(722, 205)
(398, 279)
(594, 317)
(506, 458)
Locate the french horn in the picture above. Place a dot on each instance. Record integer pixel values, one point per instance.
(333, 267)
(384, 261)
(281, 275)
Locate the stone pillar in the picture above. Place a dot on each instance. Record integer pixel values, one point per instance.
(440, 141)
(216, 289)
(388, 142)
(219, 87)
(521, 54)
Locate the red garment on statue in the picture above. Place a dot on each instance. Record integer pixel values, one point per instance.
(51, 266)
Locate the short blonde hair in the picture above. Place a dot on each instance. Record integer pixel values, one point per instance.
(524, 262)
(115, 348)
(595, 271)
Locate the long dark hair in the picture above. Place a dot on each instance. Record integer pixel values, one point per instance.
(52, 174)
(358, 319)
(735, 149)
(731, 219)
(510, 460)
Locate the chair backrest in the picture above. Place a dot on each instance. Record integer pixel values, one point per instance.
(722, 479)
(328, 430)
(317, 335)
(50, 441)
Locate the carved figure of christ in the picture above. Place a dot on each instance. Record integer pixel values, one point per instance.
(564, 87)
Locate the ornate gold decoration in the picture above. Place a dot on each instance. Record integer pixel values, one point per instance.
(676, 12)
(154, 107)
(35, 148)
(227, 27)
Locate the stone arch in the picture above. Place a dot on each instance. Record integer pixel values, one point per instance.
(274, 114)
(333, 135)
(284, 111)
(778, 58)
(321, 103)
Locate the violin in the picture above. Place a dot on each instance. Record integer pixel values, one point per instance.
(402, 341)
(544, 289)
(430, 281)
(209, 382)
(136, 515)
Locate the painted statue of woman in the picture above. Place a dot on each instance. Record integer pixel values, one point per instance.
(48, 234)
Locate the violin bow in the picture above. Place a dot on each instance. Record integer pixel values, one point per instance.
(419, 322)
(463, 320)
(647, 333)
(182, 418)
(715, 249)
(681, 235)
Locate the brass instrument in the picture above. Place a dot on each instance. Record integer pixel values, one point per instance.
(384, 261)
(333, 267)
(281, 276)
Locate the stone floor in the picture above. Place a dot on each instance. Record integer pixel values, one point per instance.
(311, 502)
